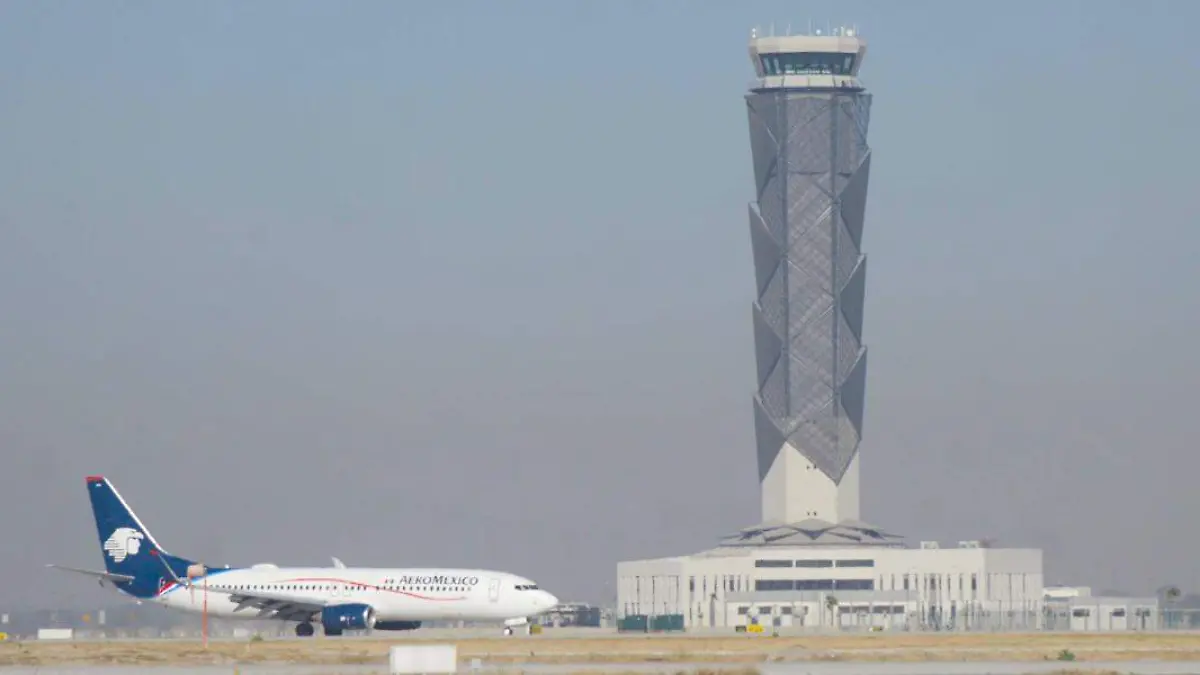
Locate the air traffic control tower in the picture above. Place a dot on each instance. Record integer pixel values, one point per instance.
(808, 134)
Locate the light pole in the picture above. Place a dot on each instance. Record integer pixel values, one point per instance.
(194, 571)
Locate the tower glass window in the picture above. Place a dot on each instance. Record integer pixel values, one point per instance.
(807, 63)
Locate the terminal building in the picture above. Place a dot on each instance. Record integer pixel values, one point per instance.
(838, 576)
(812, 562)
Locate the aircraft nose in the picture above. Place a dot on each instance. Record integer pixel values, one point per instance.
(551, 601)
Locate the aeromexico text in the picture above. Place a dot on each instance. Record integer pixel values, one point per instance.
(439, 581)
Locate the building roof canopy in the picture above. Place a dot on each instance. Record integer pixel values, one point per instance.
(812, 532)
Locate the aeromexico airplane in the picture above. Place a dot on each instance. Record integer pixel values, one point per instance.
(338, 598)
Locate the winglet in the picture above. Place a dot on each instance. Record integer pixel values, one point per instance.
(339, 564)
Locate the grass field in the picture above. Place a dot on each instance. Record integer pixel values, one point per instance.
(724, 649)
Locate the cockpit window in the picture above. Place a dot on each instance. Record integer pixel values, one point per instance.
(526, 587)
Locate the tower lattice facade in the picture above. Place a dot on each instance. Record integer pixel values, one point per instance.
(808, 131)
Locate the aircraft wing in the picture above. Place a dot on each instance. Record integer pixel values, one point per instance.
(271, 605)
(103, 576)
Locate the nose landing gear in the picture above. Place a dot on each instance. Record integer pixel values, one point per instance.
(511, 625)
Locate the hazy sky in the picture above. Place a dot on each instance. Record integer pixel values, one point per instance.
(456, 283)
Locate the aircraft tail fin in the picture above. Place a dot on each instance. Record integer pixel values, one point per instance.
(133, 560)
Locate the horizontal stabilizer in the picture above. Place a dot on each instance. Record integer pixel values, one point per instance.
(107, 576)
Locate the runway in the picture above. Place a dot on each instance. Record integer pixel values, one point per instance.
(644, 668)
(846, 654)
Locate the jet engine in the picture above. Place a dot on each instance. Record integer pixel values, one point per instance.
(354, 616)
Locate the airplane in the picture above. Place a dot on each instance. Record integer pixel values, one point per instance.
(337, 598)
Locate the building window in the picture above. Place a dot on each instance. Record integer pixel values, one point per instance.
(774, 585)
(814, 563)
(855, 584)
(856, 563)
(772, 563)
(814, 584)
(743, 610)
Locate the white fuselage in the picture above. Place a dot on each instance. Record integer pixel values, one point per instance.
(404, 594)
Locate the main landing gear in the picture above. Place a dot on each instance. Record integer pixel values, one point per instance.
(306, 630)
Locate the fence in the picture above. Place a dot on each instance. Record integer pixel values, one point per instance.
(1074, 618)
(923, 618)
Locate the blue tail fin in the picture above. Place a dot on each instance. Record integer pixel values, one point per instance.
(128, 547)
